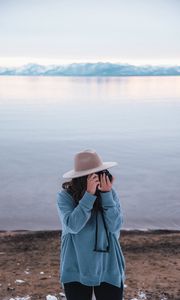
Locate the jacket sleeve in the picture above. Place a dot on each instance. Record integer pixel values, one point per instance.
(112, 210)
(73, 217)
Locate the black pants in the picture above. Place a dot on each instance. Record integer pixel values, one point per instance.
(105, 291)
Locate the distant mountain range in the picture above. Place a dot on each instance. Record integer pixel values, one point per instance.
(90, 69)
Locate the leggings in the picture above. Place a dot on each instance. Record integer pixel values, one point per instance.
(105, 291)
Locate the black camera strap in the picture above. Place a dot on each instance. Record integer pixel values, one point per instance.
(96, 233)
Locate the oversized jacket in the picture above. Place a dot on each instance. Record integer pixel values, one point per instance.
(78, 260)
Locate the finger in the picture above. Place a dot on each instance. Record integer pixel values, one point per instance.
(108, 180)
(92, 176)
(103, 178)
(96, 177)
(101, 181)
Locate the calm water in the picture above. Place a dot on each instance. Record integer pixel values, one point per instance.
(44, 121)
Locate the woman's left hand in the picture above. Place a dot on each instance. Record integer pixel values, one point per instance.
(105, 183)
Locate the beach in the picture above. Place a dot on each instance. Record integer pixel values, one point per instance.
(29, 264)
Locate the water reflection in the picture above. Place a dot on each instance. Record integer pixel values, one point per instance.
(54, 90)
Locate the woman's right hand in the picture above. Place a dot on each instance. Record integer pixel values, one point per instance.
(92, 183)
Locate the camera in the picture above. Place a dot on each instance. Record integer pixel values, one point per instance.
(107, 173)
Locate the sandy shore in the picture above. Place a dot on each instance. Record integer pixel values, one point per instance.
(29, 264)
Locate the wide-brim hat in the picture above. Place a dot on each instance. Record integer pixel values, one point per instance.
(87, 162)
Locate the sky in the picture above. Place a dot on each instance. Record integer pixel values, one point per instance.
(66, 31)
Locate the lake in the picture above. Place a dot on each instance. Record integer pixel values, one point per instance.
(44, 121)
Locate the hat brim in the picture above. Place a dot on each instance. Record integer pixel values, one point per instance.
(74, 174)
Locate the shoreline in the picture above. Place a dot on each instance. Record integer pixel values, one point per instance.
(152, 264)
(21, 231)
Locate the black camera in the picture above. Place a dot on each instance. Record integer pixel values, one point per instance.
(107, 173)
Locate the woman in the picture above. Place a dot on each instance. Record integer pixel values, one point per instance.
(91, 217)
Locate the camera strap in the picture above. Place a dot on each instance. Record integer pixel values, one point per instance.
(96, 233)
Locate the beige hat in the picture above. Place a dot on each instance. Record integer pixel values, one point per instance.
(87, 162)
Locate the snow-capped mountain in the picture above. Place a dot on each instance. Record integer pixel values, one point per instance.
(91, 69)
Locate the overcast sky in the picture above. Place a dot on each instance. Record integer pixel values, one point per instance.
(63, 31)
